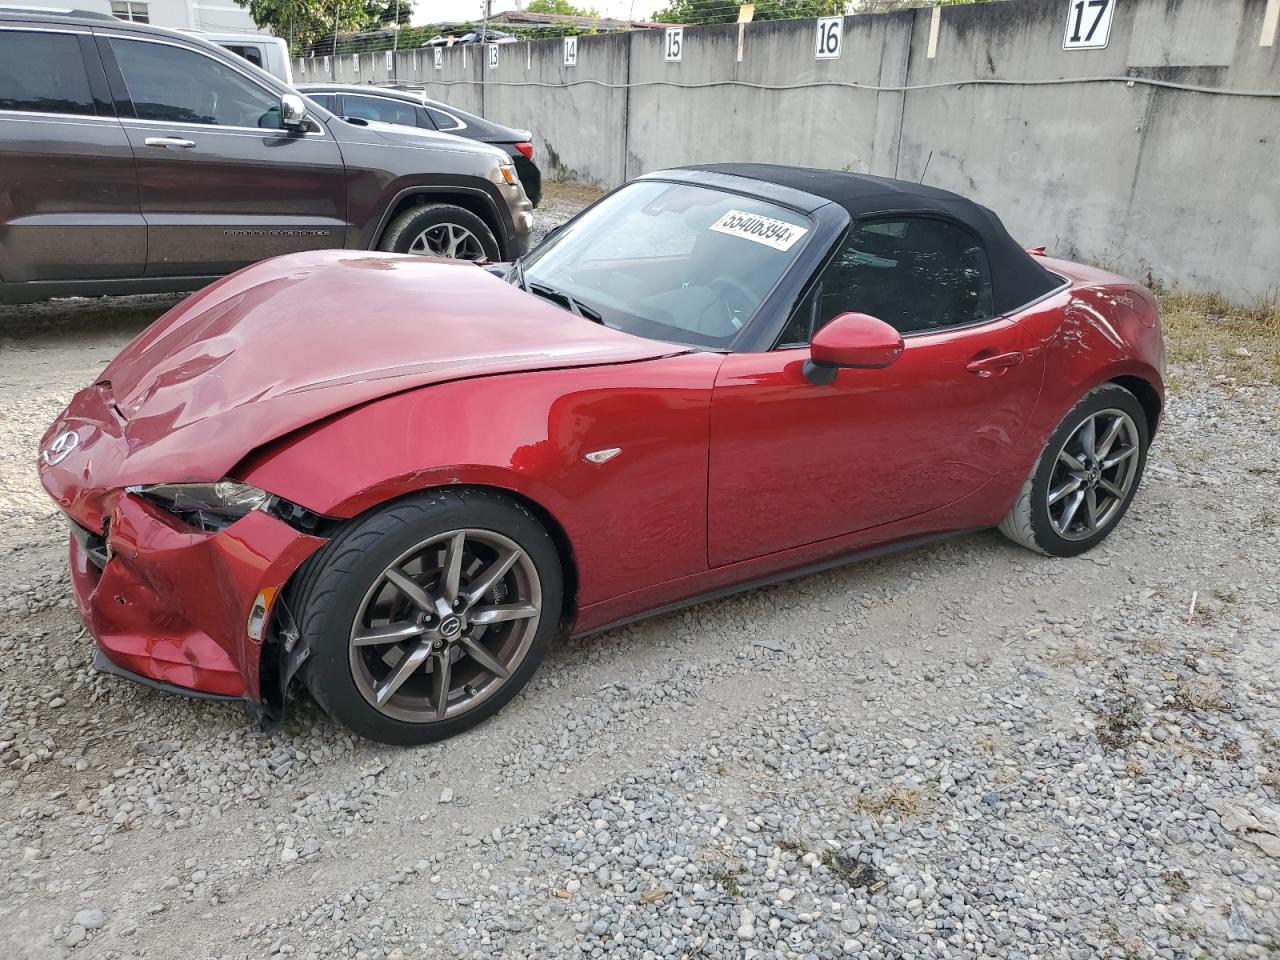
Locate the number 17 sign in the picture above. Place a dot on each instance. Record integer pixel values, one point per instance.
(1088, 24)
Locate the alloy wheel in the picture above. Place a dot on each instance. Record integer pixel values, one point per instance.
(445, 625)
(1094, 474)
(448, 240)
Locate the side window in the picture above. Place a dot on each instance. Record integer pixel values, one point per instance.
(379, 109)
(252, 54)
(442, 120)
(326, 100)
(917, 274)
(182, 86)
(43, 73)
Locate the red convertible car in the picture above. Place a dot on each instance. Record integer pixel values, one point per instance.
(396, 478)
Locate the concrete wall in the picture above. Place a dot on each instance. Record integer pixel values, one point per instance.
(1179, 184)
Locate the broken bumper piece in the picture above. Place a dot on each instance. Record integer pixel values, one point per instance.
(170, 606)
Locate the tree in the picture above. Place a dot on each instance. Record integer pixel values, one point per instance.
(884, 6)
(304, 23)
(384, 13)
(726, 11)
(562, 8)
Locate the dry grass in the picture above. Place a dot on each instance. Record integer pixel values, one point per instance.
(1077, 653)
(1205, 328)
(900, 803)
(1201, 696)
(570, 191)
(1177, 883)
(1119, 717)
(1153, 645)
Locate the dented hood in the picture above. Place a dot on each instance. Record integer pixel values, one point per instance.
(289, 341)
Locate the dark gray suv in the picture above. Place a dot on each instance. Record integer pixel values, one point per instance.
(137, 159)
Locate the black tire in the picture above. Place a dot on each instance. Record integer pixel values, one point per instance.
(406, 228)
(1030, 523)
(334, 586)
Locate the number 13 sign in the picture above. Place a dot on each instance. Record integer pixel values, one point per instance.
(1088, 24)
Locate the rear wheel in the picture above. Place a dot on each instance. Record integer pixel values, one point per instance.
(1086, 478)
(427, 616)
(441, 230)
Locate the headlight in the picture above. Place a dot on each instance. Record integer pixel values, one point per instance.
(206, 506)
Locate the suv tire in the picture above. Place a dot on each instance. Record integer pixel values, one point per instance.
(441, 230)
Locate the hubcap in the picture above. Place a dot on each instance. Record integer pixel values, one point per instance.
(445, 626)
(448, 240)
(1093, 474)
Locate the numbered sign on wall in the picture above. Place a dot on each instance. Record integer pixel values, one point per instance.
(830, 33)
(389, 61)
(439, 58)
(570, 51)
(675, 44)
(493, 56)
(1088, 24)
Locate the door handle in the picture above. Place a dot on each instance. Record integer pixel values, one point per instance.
(169, 142)
(994, 364)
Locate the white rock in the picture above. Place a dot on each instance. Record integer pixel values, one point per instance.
(91, 919)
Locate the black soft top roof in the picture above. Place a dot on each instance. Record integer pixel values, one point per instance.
(1016, 277)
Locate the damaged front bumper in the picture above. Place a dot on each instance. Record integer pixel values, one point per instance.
(169, 605)
(173, 606)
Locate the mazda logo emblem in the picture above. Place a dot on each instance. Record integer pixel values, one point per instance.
(61, 447)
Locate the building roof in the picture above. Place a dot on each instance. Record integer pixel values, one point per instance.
(523, 17)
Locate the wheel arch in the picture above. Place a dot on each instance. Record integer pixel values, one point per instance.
(279, 660)
(1058, 399)
(473, 199)
(1148, 396)
(559, 536)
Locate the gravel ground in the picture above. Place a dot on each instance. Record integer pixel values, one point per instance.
(960, 751)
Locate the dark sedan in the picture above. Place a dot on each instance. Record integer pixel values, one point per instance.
(413, 110)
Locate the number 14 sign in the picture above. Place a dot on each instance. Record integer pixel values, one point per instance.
(1088, 24)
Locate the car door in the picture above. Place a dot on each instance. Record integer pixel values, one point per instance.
(221, 183)
(69, 206)
(794, 462)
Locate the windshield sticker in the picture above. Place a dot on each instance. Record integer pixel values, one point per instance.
(750, 226)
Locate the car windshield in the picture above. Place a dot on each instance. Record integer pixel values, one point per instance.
(669, 261)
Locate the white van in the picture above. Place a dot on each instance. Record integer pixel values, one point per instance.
(264, 52)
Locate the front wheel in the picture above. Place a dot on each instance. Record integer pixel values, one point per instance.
(441, 230)
(428, 615)
(1086, 478)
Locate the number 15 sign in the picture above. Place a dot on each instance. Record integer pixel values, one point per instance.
(1088, 24)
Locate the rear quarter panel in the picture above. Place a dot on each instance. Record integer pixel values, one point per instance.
(1104, 327)
(637, 519)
